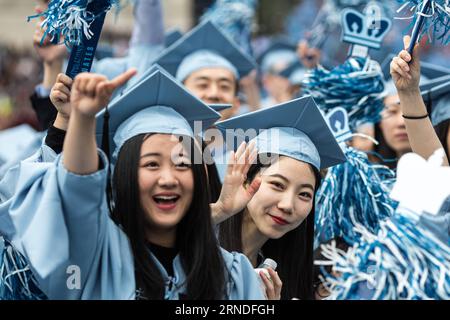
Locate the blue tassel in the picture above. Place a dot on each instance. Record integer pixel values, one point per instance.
(437, 20)
(356, 86)
(401, 261)
(16, 279)
(352, 193)
(235, 18)
(70, 19)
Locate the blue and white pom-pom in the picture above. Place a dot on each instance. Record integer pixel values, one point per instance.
(356, 86)
(437, 19)
(71, 19)
(16, 279)
(235, 18)
(401, 261)
(354, 192)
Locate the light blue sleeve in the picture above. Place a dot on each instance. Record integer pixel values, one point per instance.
(244, 283)
(9, 180)
(63, 228)
(148, 28)
(9, 176)
(438, 224)
(27, 150)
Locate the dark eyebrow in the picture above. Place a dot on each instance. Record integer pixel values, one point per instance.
(307, 185)
(151, 154)
(303, 185)
(225, 79)
(276, 175)
(204, 78)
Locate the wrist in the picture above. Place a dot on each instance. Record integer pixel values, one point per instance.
(51, 71)
(81, 116)
(216, 212)
(215, 207)
(61, 121)
(409, 92)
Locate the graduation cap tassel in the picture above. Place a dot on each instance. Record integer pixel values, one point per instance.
(105, 135)
(356, 86)
(106, 150)
(16, 279)
(354, 192)
(402, 260)
(432, 19)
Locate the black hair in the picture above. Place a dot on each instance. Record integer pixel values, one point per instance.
(214, 183)
(198, 247)
(442, 130)
(293, 252)
(384, 154)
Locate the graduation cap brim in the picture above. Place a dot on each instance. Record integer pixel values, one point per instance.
(220, 107)
(205, 36)
(302, 114)
(157, 89)
(429, 70)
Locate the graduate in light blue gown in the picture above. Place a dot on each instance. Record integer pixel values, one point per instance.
(293, 143)
(158, 242)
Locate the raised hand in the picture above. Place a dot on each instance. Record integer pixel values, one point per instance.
(235, 195)
(60, 94)
(92, 92)
(273, 285)
(405, 70)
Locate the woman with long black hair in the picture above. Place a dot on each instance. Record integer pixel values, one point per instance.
(158, 242)
(278, 222)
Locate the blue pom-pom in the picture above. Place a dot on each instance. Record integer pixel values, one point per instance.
(354, 192)
(403, 260)
(71, 19)
(16, 279)
(355, 86)
(235, 18)
(437, 20)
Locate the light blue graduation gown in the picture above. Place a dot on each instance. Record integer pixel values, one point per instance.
(23, 146)
(62, 226)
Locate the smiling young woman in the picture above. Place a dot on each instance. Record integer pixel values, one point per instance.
(278, 221)
(158, 241)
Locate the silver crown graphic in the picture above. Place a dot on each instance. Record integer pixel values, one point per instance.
(367, 29)
(337, 120)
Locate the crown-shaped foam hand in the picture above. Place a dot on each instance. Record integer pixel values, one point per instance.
(337, 120)
(367, 29)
